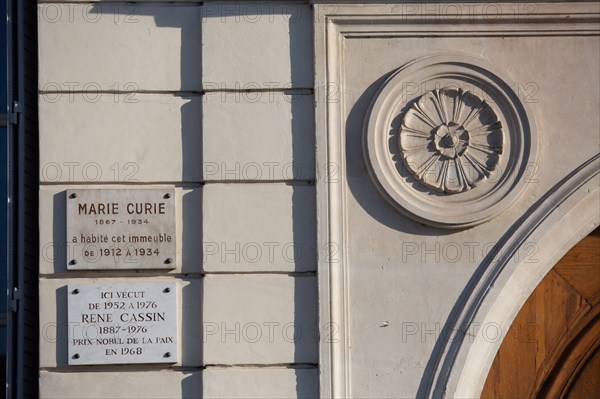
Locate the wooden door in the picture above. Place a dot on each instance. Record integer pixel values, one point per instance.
(552, 349)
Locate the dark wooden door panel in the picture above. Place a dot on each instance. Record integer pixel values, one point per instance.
(551, 348)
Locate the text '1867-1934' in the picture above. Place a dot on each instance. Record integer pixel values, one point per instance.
(121, 229)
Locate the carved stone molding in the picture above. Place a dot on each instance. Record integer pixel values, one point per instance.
(451, 140)
(378, 33)
(448, 143)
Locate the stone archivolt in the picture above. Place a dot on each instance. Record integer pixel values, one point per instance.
(451, 140)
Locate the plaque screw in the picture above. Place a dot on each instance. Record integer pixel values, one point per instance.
(76, 291)
(73, 262)
(167, 196)
(168, 354)
(168, 261)
(76, 356)
(73, 195)
(167, 290)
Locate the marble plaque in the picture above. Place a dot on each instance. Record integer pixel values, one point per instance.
(122, 323)
(121, 229)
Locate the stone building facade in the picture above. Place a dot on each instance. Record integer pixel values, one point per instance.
(366, 193)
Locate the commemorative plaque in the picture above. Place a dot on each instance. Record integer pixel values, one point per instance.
(122, 323)
(121, 229)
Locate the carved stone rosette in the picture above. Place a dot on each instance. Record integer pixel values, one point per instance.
(451, 140)
(448, 142)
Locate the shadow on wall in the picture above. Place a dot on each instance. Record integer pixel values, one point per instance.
(190, 75)
(372, 201)
(361, 186)
(305, 381)
(191, 172)
(305, 364)
(191, 127)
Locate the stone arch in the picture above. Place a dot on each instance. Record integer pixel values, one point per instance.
(566, 214)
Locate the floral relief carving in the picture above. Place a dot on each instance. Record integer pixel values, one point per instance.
(451, 140)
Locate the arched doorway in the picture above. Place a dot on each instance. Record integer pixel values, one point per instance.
(553, 346)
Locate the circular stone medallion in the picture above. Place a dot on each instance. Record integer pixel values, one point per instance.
(447, 141)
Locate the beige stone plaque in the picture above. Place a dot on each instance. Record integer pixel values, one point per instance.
(122, 323)
(121, 229)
